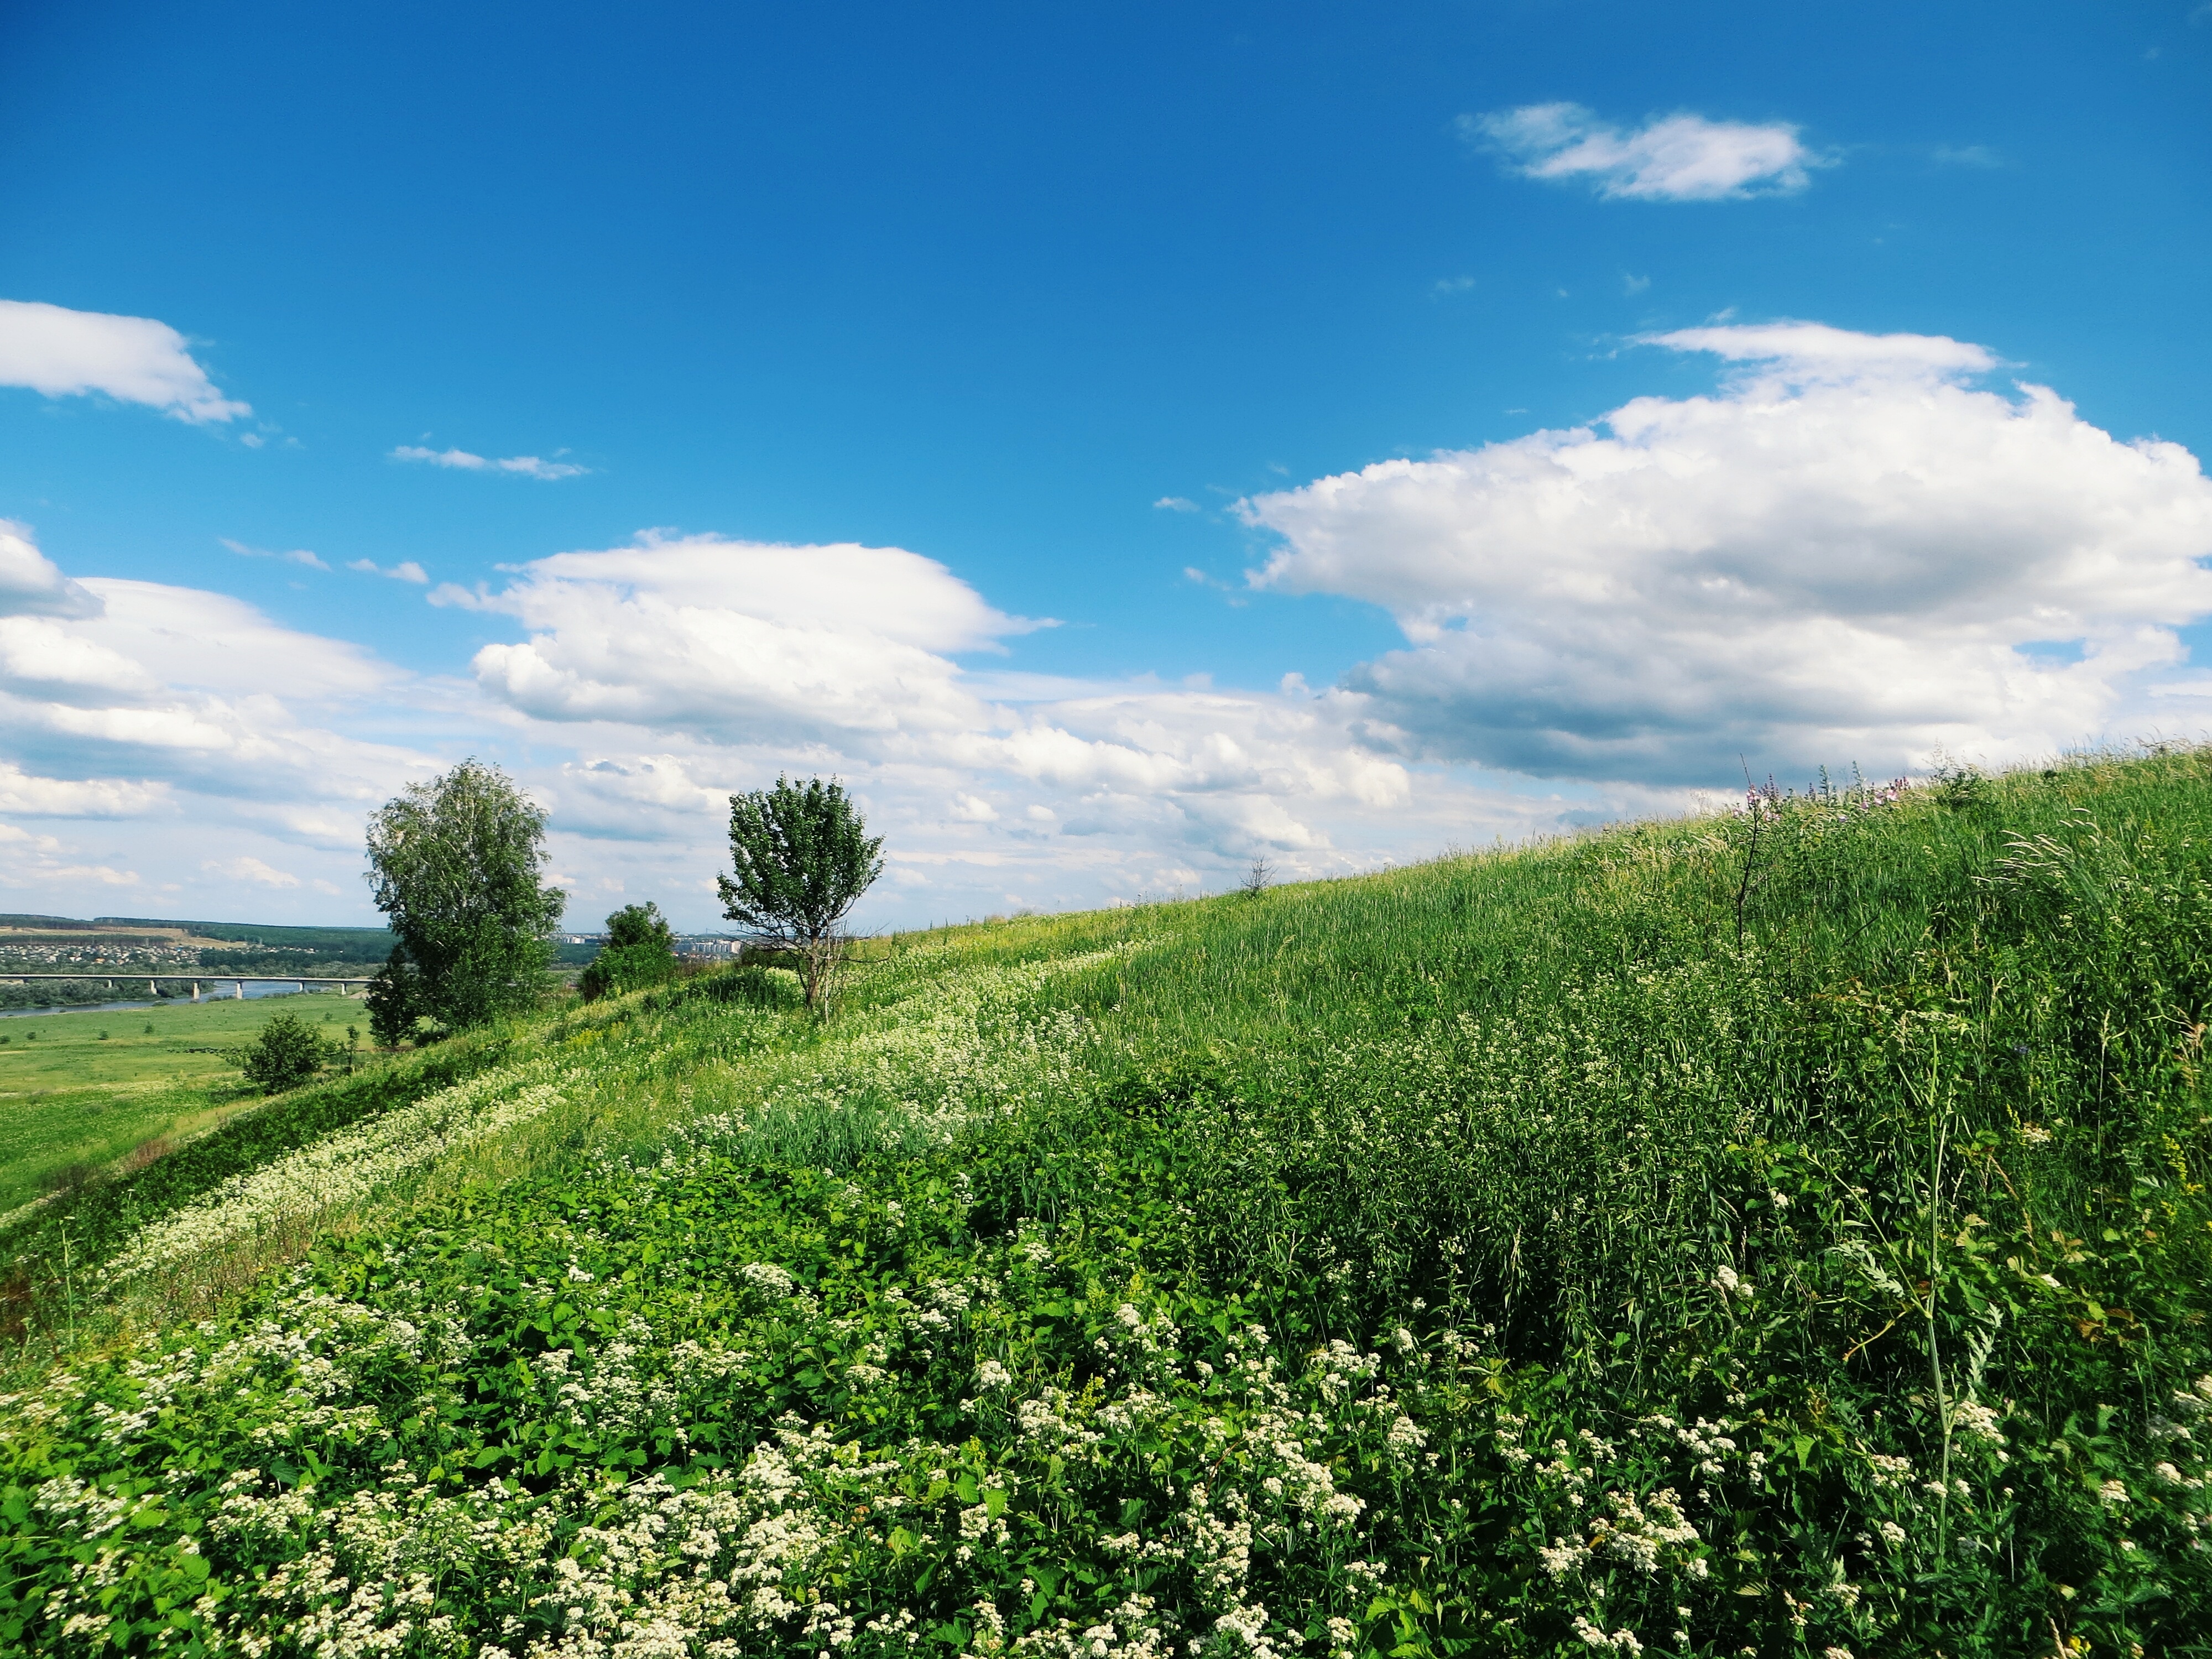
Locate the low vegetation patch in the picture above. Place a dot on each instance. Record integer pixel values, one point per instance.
(1783, 1232)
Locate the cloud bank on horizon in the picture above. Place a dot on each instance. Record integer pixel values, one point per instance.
(1850, 549)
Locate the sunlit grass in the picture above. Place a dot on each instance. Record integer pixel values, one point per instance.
(80, 1089)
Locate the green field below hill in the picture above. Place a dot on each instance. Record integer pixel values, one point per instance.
(80, 1089)
(1783, 1232)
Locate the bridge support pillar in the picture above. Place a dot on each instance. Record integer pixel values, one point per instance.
(238, 991)
(196, 990)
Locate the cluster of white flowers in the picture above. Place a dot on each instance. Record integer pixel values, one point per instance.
(1642, 1533)
(1594, 1636)
(1136, 1630)
(347, 1167)
(1977, 1422)
(1708, 1444)
(1888, 1471)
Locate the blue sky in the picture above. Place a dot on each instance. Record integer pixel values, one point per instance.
(985, 289)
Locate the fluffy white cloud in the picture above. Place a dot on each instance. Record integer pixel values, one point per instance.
(150, 702)
(31, 584)
(26, 796)
(528, 466)
(670, 674)
(1792, 352)
(742, 641)
(691, 668)
(191, 638)
(1675, 158)
(61, 353)
(1850, 549)
(1847, 553)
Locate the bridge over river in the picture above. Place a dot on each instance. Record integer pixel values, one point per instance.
(237, 983)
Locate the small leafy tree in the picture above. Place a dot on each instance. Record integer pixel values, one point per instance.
(802, 857)
(455, 864)
(640, 950)
(287, 1052)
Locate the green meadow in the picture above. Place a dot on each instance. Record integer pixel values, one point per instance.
(81, 1089)
(1776, 1233)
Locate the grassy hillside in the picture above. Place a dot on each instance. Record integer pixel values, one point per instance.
(81, 1089)
(1782, 1233)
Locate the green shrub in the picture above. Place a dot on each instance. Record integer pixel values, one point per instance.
(287, 1053)
(758, 987)
(626, 967)
(397, 999)
(640, 953)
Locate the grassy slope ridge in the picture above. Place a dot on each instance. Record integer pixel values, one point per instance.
(1652, 1242)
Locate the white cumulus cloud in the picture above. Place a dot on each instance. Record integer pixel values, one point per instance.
(1848, 552)
(26, 796)
(64, 353)
(230, 761)
(528, 466)
(41, 865)
(252, 744)
(31, 584)
(743, 642)
(696, 665)
(1673, 158)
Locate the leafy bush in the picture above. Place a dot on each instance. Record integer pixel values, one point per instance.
(287, 1053)
(755, 985)
(397, 1001)
(640, 953)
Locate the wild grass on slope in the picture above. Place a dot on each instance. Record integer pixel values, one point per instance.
(81, 1089)
(1782, 1233)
